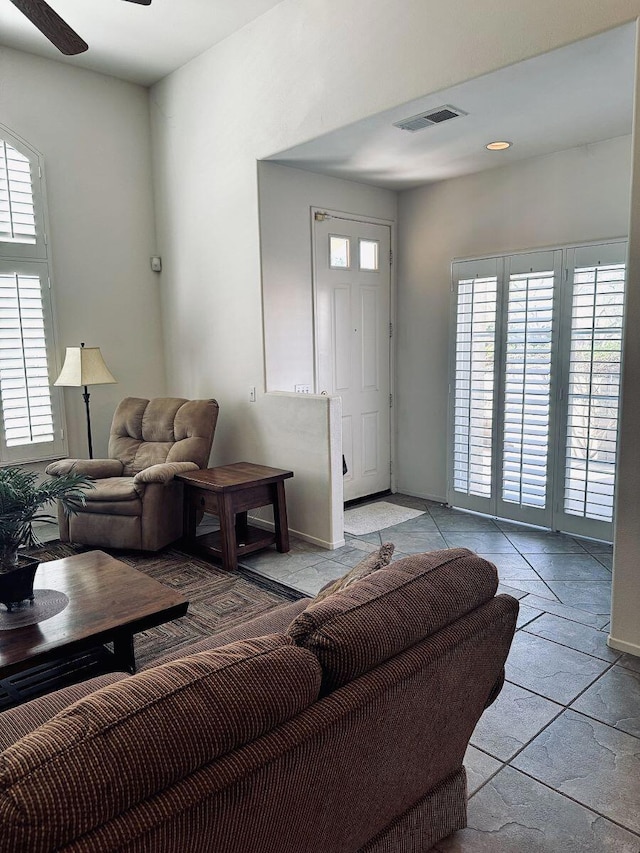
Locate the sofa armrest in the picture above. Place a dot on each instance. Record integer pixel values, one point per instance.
(496, 689)
(96, 468)
(164, 472)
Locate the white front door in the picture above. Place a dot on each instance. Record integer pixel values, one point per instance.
(352, 305)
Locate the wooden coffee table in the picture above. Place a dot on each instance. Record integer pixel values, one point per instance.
(109, 602)
(228, 492)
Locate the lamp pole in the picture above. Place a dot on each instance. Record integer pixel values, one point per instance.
(85, 397)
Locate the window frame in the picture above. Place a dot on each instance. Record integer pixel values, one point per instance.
(35, 259)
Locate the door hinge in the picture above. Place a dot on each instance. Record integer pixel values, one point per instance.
(48, 282)
(390, 400)
(319, 216)
(390, 467)
(390, 257)
(390, 330)
(566, 274)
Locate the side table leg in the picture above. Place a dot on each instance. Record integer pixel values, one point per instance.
(188, 518)
(242, 528)
(124, 653)
(228, 534)
(280, 518)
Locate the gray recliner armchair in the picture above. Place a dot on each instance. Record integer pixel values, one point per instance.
(136, 502)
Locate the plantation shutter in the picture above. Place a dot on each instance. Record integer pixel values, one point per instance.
(593, 382)
(24, 379)
(31, 422)
(17, 211)
(535, 386)
(527, 380)
(473, 383)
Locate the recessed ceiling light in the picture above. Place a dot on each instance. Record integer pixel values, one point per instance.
(498, 146)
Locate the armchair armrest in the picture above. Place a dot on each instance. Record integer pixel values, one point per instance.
(163, 473)
(96, 468)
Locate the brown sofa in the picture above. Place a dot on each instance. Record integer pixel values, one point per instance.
(321, 727)
(136, 503)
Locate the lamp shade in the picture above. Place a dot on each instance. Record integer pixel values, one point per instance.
(84, 366)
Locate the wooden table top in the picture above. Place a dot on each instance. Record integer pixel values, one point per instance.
(104, 594)
(239, 475)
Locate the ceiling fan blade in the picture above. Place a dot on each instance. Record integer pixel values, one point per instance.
(52, 26)
(140, 2)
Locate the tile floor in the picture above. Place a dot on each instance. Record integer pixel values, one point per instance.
(554, 764)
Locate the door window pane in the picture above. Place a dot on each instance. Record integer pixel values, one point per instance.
(369, 255)
(339, 251)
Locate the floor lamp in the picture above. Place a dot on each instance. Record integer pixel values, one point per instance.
(84, 366)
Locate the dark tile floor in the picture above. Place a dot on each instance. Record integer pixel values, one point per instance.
(554, 764)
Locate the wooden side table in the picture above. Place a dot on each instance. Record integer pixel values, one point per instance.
(228, 492)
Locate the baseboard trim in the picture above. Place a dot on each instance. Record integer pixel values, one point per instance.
(313, 540)
(623, 646)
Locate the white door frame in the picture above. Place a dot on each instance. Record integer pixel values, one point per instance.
(372, 220)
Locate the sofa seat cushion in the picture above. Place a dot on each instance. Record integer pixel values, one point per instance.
(357, 628)
(170, 720)
(115, 496)
(114, 489)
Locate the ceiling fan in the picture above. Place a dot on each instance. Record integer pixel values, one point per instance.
(54, 27)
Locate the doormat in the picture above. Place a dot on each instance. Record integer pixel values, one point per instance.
(377, 516)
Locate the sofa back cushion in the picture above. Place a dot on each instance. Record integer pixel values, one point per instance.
(165, 429)
(359, 627)
(132, 739)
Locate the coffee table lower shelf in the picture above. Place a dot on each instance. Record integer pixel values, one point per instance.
(53, 675)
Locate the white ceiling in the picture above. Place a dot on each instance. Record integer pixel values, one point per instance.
(137, 43)
(579, 94)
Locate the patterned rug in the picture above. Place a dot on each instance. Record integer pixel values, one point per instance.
(218, 600)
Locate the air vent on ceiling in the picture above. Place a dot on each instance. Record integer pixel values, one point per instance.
(437, 116)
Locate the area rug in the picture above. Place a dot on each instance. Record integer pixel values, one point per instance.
(371, 517)
(218, 599)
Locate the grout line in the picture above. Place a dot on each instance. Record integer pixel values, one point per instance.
(564, 645)
(577, 802)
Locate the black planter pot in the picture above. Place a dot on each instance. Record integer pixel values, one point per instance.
(16, 585)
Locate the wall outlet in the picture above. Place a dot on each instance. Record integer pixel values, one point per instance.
(302, 389)
(252, 394)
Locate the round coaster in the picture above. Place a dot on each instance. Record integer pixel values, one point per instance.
(46, 603)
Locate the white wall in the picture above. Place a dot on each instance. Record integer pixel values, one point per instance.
(286, 198)
(304, 434)
(93, 133)
(574, 196)
(302, 69)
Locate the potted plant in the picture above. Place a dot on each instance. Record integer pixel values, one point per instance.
(22, 501)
